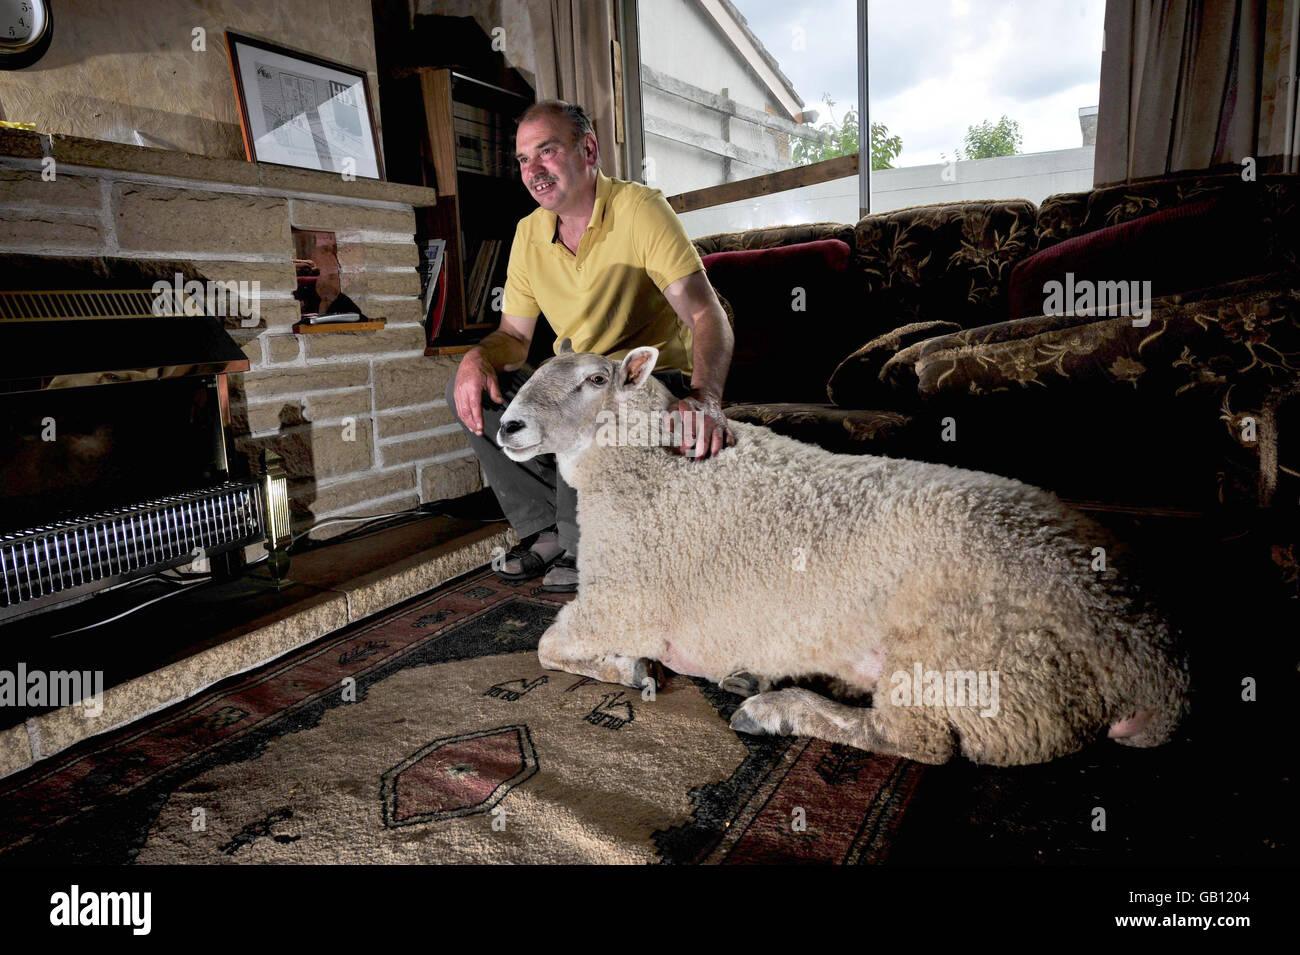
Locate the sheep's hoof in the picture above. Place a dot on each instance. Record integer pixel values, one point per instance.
(741, 683)
(742, 722)
(761, 715)
(646, 669)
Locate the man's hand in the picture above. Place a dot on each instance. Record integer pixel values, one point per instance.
(698, 308)
(475, 376)
(705, 431)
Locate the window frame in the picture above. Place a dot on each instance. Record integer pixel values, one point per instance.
(626, 12)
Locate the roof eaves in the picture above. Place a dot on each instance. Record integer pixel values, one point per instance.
(768, 58)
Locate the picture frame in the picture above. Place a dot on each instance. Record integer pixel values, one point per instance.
(300, 110)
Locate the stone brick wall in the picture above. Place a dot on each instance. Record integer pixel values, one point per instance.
(359, 417)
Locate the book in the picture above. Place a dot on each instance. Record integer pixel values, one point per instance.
(483, 144)
(485, 265)
(484, 312)
(439, 308)
(475, 277)
(432, 255)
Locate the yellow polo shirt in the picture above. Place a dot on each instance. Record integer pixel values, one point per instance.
(608, 298)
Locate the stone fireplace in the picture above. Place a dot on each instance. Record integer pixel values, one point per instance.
(358, 417)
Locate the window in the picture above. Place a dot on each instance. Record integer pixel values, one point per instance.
(982, 99)
(968, 99)
(721, 100)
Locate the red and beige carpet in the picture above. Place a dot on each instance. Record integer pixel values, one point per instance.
(432, 735)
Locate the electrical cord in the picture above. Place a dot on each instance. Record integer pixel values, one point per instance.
(186, 580)
(180, 588)
(429, 508)
(366, 519)
(188, 574)
(160, 576)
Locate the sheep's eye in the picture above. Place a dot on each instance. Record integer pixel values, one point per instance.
(597, 379)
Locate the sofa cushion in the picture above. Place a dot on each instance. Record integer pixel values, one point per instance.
(1204, 242)
(1241, 337)
(841, 430)
(788, 317)
(1276, 198)
(856, 381)
(949, 259)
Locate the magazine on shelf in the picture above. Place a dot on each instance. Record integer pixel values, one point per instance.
(432, 254)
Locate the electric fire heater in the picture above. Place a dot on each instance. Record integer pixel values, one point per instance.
(114, 446)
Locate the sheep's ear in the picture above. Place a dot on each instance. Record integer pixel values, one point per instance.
(636, 367)
(566, 347)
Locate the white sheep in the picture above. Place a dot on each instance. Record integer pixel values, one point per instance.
(974, 606)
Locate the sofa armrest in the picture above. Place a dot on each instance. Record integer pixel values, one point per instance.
(1242, 335)
(857, 381)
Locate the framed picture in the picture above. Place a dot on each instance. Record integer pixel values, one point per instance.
(299, 110)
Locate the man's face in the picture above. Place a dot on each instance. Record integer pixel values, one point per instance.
(555, 170)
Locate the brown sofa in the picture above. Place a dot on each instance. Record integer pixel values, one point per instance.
(1184, 413)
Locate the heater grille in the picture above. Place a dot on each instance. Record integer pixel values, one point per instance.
(55, 560)
(277, 523)
(45, 306)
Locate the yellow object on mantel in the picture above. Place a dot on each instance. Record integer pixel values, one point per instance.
(30, 127)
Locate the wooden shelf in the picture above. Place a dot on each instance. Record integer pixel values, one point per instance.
(371, 326)
(476, 207)
(272, 178)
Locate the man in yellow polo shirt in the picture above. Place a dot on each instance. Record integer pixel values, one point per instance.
(610, 266)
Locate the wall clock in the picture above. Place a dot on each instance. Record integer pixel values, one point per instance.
(26, 27)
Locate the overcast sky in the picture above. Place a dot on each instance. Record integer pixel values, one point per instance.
(939, 66)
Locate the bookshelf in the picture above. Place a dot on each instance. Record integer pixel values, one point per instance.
(469, 149)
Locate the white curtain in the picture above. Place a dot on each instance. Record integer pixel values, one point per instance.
(1193, 84)
(575, 62)
(565, 47)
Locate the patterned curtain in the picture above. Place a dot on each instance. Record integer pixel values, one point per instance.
(1193, 84)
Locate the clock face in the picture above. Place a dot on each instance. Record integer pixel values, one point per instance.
(25, 28)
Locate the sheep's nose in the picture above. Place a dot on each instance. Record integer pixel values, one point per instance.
(510, 427)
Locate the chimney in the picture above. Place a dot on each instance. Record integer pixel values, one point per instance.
(1088, 124)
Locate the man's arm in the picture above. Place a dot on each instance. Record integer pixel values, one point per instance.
(696, 304)
(503, 350)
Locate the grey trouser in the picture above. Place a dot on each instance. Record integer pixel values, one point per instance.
(532, 493)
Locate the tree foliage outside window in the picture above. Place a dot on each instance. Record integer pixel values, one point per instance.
(988, 139)
(842, 139)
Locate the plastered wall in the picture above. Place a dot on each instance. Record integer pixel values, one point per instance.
(126, 65)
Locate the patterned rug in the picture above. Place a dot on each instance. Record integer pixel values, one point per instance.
(432, 735)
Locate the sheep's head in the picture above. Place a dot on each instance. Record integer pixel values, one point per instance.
(558, 410)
